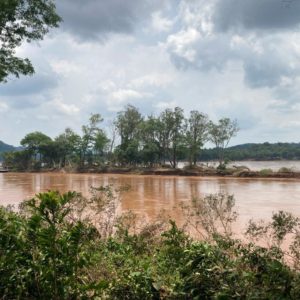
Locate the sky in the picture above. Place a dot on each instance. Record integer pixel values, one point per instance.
(226, 58)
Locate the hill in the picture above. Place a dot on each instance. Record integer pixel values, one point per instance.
(252, 151)
(5, 148)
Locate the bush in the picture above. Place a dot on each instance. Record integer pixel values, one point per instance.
(43, 255)
(50, 250)
(233, 271)
(285, 170)
(265, 172)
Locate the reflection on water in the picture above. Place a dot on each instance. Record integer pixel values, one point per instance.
(149, 195)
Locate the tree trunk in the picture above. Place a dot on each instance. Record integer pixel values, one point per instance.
(174, 157)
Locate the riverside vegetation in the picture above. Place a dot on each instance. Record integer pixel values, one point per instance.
(146, 145)
(142, 142)
(63, 246)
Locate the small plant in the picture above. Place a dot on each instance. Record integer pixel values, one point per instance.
(285, 170)
(281, 233)
(211, 215)
(266, 172)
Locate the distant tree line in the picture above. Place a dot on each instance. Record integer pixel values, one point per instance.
(264, 151)
(142, 141)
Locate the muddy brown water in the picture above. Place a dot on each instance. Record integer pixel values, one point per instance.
(150, 195)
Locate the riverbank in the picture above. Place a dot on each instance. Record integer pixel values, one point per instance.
(235, 172)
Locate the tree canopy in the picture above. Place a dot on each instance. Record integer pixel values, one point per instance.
(141, 141)
(22, 20)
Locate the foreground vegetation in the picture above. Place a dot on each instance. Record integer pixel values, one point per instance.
(67, 247)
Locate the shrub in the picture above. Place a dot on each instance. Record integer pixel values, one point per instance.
(285, 170)
(44, 256)
(265, 172)
(51, 250)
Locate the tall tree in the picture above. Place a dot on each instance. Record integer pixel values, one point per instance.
(150, 142)
(101, 143)
(196, 134)
(89, 134)
(22, 20)
(172, 133)
(67, 145)
(36, 143)
(127, 123)
(220, 135)
(128, 126)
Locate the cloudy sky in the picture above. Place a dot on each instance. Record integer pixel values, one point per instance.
(235, 58)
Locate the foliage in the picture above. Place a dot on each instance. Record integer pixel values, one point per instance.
(66, 145)
(43, 255)
(22, 20)
(220, 135)
(150, 140)
(264, 151)
(143, 141)
(196, 134)
(37, 143)
(266, 172)
(128, 124)
(274, 234)
(17, 160)
(172, 133)
(212, 215)
(285, 170)
(93, 138)
(51, 250)
(5, 148)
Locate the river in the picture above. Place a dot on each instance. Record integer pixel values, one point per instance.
(150, 195)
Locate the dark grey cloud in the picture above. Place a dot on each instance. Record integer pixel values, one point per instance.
(267, 70)
(94, 19)
(207, 54)
(27, 102)
(266, 59)
(256, 14)
(29, 85)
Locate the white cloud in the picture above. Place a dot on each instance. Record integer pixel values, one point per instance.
(161, 24)
(152, 80)
(67, 109)
(64, 67)
(182, 43)
(178, 57)
(3, 107)
(124, 95)
(165, 104)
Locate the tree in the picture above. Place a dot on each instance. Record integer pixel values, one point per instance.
(17, 160)
(101, 143)
(88, 138)
(36, 143)
(67, 144)
(128, 126)
(22, 20)
(220, 135)
(149, 137)
(127, 123)
(172, 133)
(196, 134)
